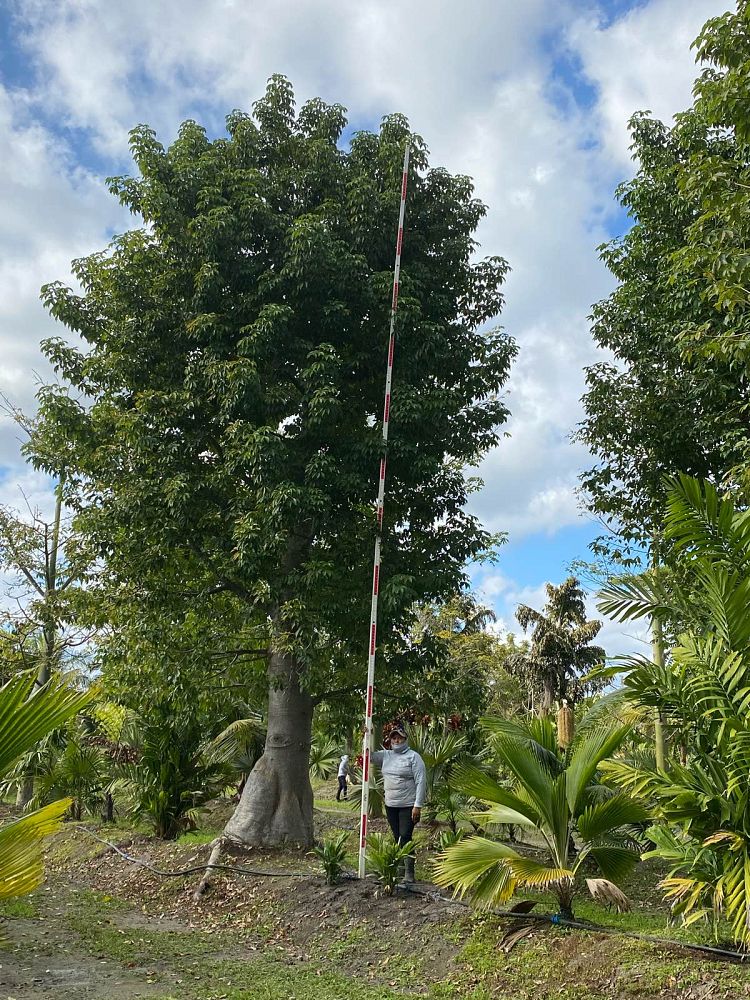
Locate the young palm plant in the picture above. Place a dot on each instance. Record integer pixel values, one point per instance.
(172, 775)
(556, 795)
(324, 756)
(383, 858)
(441, 752)
(332, 855)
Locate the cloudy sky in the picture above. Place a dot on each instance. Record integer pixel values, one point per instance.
(531, 98)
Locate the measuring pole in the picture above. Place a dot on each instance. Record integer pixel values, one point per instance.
(367, 742)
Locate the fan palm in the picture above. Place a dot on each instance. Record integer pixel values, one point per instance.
(25, 718)
(441, 752)
(324, 756)
(555, 795)
(703, 691)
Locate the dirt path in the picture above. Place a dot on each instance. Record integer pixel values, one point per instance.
(43, 957)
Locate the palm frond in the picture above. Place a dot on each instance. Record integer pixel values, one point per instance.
(477, 783)
(614, 862)
(598, 820)
(608, 894)
(588, 752)
(26, 716)
(21, 859)
(534, 874)
(477, 867)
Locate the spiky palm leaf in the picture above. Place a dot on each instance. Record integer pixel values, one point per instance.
(26, 716)
(324, 756)
(556, 804)
(21, 857)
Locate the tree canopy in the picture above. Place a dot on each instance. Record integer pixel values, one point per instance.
(656, 408)
(220, 425)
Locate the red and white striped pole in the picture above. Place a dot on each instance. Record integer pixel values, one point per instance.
(367, 743)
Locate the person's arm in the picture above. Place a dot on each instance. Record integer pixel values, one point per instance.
(377, 757)
(420, 779)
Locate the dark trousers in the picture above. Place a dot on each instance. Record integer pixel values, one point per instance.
(400, 822)
(342, 787)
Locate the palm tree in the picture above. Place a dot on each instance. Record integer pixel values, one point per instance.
(26, 716)
(703, 691)
(556, 795)
(560, 649)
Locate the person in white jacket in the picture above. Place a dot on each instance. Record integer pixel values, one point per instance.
(405, 784)
(343, 774)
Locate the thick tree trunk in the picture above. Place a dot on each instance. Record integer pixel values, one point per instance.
(276, 806)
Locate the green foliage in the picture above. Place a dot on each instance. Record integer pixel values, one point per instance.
(673, 398)
(383, 857)
(239, 744)
(26, 716)
(556, 796)
(703, 691)
(72, 766)
(560, 653)
(459, 662)
(441, 752)
(324, 756)
(447, 838)
(332, 854)
(712, 259)
(48, 565)
(171, 776)
(220, 426)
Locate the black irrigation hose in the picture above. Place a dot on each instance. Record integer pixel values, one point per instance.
(180, 872)
(544, 918)
(549, 918)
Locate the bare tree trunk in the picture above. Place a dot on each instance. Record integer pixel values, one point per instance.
(276, 806)
(548, 695)
(25, 793)
(660, 740)
(108, 813)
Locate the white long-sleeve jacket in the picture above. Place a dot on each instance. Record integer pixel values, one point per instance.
(404, 777)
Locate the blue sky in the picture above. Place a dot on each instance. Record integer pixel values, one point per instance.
(530, 99)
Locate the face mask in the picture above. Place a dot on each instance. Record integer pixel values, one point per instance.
(400, 747)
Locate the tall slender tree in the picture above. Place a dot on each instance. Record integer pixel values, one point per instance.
(560, 652)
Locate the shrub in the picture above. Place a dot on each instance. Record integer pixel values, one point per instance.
(332, 854)
(383, 858)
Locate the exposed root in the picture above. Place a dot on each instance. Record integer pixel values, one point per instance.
(213, 859)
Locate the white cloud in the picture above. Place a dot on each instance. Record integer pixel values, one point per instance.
(51, 211)
(474, 80)
(641, 62)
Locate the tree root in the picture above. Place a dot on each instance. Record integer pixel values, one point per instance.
(213, 859)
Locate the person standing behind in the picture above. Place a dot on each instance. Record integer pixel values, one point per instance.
(343, 774)
(405, 783)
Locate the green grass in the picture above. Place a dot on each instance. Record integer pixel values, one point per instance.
(269, 979)
(377, 955)
(570, 965)
(198, 837)
(18, 908)
(344, 807)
